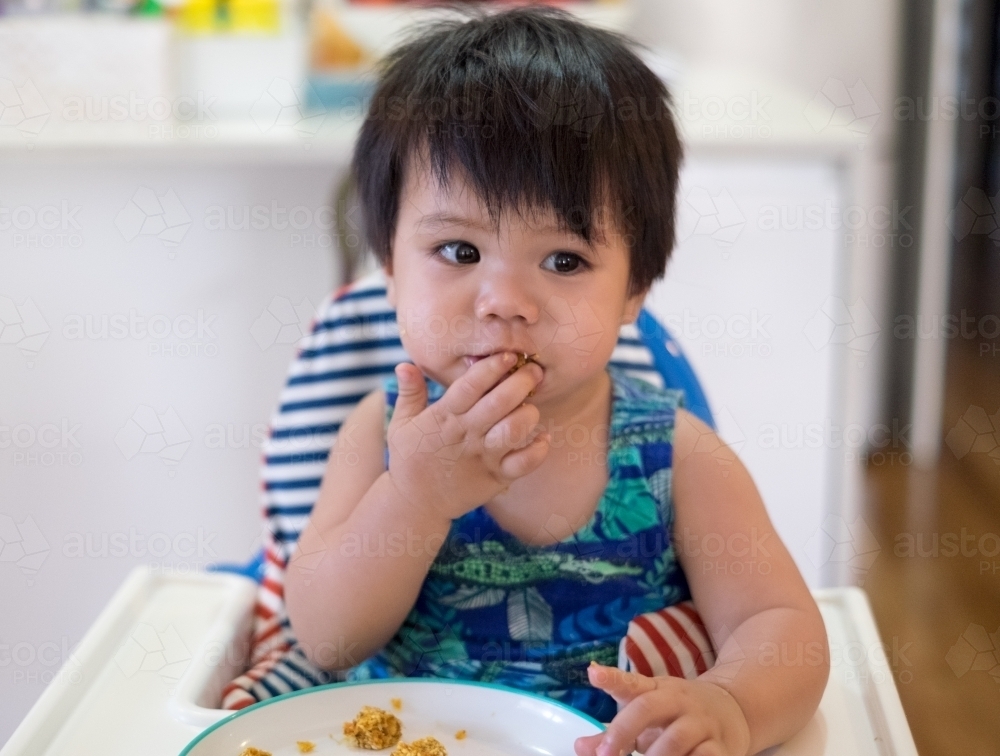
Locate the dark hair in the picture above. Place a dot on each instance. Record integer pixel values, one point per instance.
(539, 110)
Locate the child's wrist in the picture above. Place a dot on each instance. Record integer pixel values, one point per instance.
(738, 738)
(410, 506)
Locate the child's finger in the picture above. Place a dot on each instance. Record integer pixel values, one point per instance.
(517, 464)
(643, 712)
(587, 745)
(471, 386)
(412, 391)
(506, 397)
(620, 685)
(515, 431)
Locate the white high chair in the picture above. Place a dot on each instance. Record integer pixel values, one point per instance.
(148, 675)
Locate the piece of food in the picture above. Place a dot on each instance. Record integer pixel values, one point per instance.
(397, 703)
(305, 746)
(522, 360)
(373, 729)
(251, 751)
(424, 747)
(460, 735)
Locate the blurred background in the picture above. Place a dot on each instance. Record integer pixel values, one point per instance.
(173, 211)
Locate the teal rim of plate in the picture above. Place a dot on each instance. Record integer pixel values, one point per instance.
(381, 681)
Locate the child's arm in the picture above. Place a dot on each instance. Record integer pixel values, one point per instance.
(373, 534)
(345, 596)
(773, 659)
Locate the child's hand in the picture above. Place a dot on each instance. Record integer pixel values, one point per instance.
(472, 443)
(666, 716)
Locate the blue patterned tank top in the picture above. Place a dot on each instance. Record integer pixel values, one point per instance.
(496, 609)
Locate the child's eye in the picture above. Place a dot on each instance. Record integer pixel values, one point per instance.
(566, 262)
(464, 253)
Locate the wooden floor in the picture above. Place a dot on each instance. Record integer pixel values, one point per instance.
(924, 599)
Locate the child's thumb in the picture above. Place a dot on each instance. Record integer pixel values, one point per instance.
(412, 397)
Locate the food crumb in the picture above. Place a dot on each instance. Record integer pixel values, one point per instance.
(251, 751)
(523, 359)
(424, 747)
(460, 735)
(397, 703)
(305, 746)
(373, 729)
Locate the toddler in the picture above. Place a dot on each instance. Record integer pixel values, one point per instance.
(517, 175)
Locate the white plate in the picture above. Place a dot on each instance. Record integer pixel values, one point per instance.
(498, 721)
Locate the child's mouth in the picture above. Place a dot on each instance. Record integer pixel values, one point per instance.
(523, 358)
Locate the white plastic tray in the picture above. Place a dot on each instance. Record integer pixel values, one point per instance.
(146, 675)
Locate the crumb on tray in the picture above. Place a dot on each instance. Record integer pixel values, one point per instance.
(424, 747)
(305, 746)
(373, 729)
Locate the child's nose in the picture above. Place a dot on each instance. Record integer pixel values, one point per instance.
(504, 297)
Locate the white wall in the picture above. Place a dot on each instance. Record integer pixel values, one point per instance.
(800, 50)
(57, 490)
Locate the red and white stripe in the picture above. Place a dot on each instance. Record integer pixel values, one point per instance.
(672, 641)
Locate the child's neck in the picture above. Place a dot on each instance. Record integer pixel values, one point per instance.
(587, 407)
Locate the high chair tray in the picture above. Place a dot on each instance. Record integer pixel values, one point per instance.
(146, 676)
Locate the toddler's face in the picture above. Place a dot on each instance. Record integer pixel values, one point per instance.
(463, 288)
